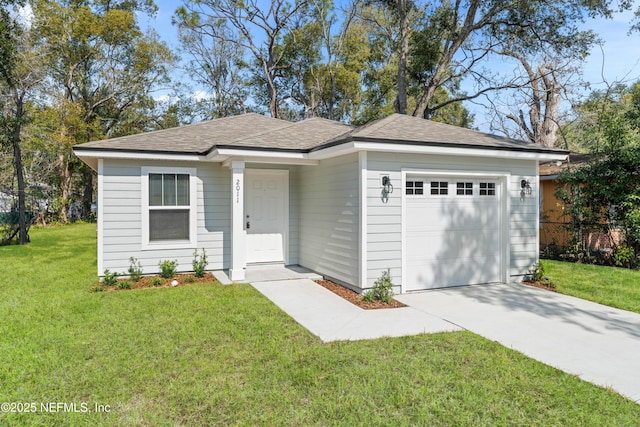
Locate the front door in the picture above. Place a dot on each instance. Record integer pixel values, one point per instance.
(265, 214)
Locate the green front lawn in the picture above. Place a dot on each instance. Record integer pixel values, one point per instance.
(615, 287)
(208, 354)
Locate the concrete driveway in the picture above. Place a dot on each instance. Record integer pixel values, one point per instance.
(599, 344)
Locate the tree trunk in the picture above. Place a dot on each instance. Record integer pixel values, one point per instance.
(87, 194)
(65, 186)
(401, 98)
(23, 236)
(422, 107)
(273, 98)
(553, 96)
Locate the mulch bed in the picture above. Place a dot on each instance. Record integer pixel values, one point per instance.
(355, 298)
(540, 285)
(147, 282)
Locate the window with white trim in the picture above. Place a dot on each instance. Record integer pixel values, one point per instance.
(414, 187)
(439, 188)
(464, 188)
(487, 188)
(169, 207)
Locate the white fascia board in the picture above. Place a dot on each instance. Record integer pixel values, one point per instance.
(459, 151)
(454, 173)
(98, 154)
(335, 151)
(258, 154)
(268, 160)
(226, 155)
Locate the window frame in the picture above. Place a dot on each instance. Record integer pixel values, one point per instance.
(190, 243)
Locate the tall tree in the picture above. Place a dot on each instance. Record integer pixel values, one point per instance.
(261, 32)
(98, 58)
(608, 120)
(469, 32)
(217, 64)
(18, 75)
(541, 96)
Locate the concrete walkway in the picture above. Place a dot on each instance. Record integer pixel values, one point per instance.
(332, 318)
(599, 344)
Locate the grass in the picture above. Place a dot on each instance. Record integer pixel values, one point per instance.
(615, 287)
(208, 354)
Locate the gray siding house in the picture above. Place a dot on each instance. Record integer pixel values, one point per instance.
(435, 204)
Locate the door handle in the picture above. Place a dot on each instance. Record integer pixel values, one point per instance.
(248, 225)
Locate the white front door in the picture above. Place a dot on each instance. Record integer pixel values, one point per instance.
(265, 214)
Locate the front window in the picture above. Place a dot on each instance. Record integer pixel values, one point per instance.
(169, 217)
(168, 206)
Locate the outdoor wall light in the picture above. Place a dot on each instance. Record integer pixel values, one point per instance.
(526, 187)
(386, 184)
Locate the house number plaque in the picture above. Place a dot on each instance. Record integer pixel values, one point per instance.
(238, 191)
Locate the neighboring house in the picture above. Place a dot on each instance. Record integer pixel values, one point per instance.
(555, 219)
(438, 205)
(6, 201)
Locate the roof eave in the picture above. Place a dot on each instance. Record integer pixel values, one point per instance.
(90, 155)
(378, 144)
(337, 147)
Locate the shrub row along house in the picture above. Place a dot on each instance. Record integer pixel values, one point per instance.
(438, 205)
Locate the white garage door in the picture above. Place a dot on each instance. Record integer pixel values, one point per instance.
(453, 231)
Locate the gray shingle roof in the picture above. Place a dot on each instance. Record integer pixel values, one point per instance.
(254, 131)
(399, 128)
(196, 138)
(303, 135)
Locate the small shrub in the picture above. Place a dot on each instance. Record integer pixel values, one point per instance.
(110, 278)
(537, 272)
(199, 263)
(97, 288)
(135, 269)
(368, 296)
(623, 257)
(156, 281)
(382, 289)
(189, 279)
(168, 268)
(124, 285)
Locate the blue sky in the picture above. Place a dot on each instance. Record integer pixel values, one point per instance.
(619, 59)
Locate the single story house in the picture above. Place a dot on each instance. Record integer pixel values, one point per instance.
(437, 205)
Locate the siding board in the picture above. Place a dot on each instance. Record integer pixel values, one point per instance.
(385, 216)
(329, 218)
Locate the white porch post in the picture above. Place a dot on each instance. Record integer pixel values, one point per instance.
(238, 238)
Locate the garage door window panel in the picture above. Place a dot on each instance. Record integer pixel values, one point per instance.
(487, 188)
(439, 188)
(464, 188)
(415, 188)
